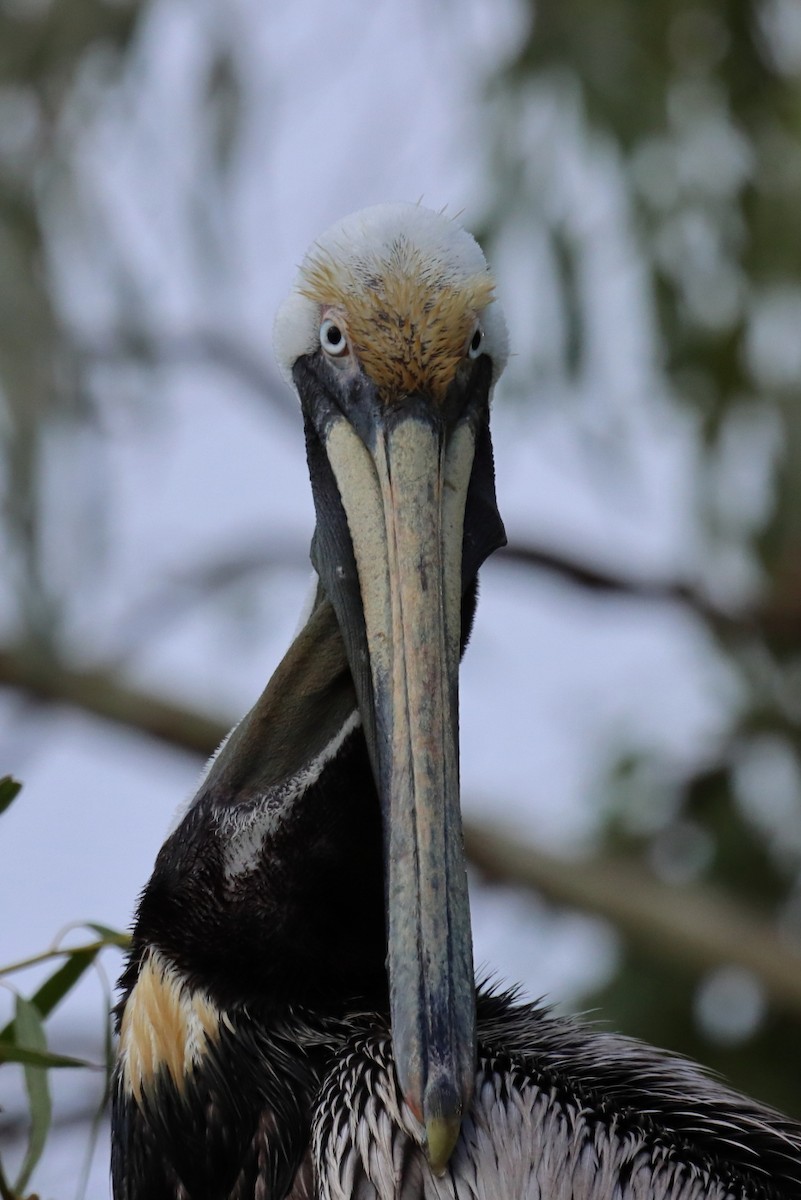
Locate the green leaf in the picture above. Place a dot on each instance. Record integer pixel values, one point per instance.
(11, 1053)
(30, 1035)
(56, 987)
(9, 790)
(62, 981)
(108, 937)
(113, 937)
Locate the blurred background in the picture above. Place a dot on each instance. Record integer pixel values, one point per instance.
(632, 692)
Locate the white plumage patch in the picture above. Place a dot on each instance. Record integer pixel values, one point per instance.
(412, 281)
(245, 830)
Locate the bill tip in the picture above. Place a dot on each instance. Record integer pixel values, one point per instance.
(442, 1134)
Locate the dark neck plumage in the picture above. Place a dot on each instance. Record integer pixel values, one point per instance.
(260, 931)
(270, 890)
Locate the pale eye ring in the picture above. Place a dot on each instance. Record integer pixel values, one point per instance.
(332, 338)
(476, 343)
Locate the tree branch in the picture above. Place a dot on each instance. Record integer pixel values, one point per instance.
(204, 346)
(592, 578)
(777, 613)
(694, 926)
(103, 696)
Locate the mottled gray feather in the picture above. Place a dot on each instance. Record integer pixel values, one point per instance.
(560, 1113)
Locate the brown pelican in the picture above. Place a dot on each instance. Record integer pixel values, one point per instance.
(298, 1014)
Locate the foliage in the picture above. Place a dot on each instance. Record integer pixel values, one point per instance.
(24, 1041)
(44, 52)
(698, 105)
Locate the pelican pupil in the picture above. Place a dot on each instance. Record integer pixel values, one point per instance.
(475, 342)
(332, 339)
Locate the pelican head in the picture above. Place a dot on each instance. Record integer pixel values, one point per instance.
(393, 341)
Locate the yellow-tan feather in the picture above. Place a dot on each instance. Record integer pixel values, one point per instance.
(406, 322)
(166, 1026)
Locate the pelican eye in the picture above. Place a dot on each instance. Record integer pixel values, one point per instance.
(332, 339)
(476, 342)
